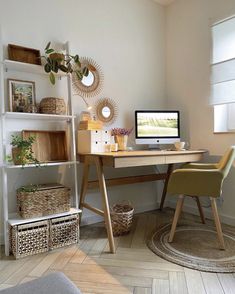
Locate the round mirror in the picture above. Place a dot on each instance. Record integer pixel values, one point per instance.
(106, 110)
(92, 84)
(89, 80)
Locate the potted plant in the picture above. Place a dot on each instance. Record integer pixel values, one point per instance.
(55, 61)
(121, 137)
(22, 152)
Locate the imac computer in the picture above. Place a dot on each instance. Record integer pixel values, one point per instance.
(155, 127)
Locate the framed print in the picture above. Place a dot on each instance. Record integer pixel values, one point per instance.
(21, 94)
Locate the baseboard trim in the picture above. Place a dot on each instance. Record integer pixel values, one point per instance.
(226, 219)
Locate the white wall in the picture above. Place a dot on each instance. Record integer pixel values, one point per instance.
(188, 79)
(126, 37)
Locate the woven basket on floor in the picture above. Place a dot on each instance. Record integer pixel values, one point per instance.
(51, 105)
(121, 217)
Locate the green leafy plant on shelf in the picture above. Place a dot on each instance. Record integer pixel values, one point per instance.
(22, 151)
(55, 61)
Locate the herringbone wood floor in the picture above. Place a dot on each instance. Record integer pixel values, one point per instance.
(133, 269)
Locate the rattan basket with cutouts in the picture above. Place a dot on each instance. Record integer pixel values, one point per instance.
(121, 218)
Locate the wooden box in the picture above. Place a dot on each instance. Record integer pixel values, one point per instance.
(24, 54)
(90, 125)
(49, 146)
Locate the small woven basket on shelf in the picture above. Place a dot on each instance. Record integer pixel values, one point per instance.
(51, 105)
(121, 217)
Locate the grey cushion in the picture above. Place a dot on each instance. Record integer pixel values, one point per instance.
(56, 283)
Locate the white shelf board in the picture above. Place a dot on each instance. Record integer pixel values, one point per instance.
(27, 67)
(34, 116)
(12, 166)
(14, 219)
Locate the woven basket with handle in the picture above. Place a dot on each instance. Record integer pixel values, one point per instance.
(121, 217)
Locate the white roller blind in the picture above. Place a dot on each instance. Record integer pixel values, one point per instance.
(223, 62)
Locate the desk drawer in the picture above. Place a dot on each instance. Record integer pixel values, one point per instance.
(139, 161)
(183, 158)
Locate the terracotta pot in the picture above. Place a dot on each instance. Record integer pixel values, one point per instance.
(17, 157)
(57, 56)
(121, 140)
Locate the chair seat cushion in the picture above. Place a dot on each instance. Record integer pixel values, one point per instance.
(56, 283)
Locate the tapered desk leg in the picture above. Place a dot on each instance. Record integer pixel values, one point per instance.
(103, 190)
(84, 184)
(169, 171)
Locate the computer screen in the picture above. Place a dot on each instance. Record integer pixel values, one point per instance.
(157, 126)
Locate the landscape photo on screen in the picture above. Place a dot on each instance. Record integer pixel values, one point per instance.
(161, 124)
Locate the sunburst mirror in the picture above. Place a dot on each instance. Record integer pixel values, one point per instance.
(106, 110)
(92, 84)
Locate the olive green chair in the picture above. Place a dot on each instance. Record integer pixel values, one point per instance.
(200, 180)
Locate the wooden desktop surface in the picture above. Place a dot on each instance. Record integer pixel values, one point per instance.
(145, 157)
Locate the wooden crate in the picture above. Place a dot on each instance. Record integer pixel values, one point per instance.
(49, 146)
(24, 54)
(90, 125)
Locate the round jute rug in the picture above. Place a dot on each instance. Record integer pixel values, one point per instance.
(195, 246)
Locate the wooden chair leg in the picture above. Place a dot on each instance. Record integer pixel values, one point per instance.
(200, 210)
(217, 223)
(178, 210)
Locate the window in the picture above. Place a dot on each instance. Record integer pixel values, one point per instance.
(223, 75)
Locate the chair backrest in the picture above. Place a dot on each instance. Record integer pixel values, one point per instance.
(226, 161)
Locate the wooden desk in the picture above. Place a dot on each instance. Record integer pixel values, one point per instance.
(123, 159)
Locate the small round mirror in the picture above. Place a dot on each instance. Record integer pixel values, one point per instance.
(106, 111)
(89, 80)
(92, 84)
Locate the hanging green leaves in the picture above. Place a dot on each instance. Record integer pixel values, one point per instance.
(66, 63)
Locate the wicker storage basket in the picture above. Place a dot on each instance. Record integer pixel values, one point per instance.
(29, 239)
(51, 105)
(48, 199)
(121, 217)
(64, 231)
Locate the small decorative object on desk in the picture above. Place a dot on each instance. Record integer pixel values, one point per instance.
(121, 218)
(90, 125)
(121, 137)
(85, 115)
(51, 105)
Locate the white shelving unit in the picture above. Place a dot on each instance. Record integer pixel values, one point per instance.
(40, 116)
(7, 66)
(14, 219)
